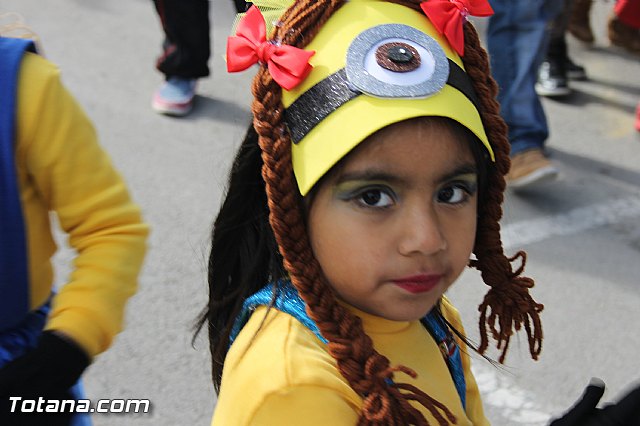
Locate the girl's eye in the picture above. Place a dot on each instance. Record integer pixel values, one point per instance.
(455, 194)
(374, 198)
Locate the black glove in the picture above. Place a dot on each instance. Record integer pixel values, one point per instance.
(47, 371)
(52, 367)
(625, 412)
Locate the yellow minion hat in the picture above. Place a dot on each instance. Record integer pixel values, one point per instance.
(376, 63)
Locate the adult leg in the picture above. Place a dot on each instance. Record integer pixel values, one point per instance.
(515, 37)
(187, 43)
(517, 41)
(241, 5)
(628, 11)
(186, 51)
(624, 25)
(553, 72)
(579, 22)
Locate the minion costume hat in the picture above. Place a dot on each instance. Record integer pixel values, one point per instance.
(333, 73)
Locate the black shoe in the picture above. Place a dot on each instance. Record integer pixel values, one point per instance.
(552, 79)
(574, 71)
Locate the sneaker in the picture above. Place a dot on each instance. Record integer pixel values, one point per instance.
(175, 96)
(530, 168)
(552, 79)
(574, 71)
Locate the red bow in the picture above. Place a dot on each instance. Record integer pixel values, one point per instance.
(449, 15)
(288, 65)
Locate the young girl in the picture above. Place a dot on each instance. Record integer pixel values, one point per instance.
(372, 174)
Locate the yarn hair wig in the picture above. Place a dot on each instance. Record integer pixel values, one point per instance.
(507, 306)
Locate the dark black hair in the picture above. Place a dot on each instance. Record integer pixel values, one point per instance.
(244, 255)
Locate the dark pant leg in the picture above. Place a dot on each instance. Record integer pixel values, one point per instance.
(557, 49)
(241, 5)
(187, 43)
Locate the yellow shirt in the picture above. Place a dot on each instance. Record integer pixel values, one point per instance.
(279, 373)
(62, 169)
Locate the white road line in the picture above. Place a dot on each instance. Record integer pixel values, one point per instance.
(499, 393)
(531, 231)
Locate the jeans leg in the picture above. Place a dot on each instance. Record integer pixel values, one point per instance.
(517, 41)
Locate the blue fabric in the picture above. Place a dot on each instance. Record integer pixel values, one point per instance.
(16, 341)
(517, 41)
(288, 300)
(450, 351)
(14, 273)
(79, 419)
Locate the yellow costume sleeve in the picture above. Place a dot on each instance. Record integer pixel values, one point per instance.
(278, 373)
(62, 169)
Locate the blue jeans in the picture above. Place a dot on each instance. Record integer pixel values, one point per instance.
(517, 41)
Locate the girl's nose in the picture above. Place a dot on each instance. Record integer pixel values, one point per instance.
(420, 233)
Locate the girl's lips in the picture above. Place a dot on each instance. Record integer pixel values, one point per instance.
(418, 283)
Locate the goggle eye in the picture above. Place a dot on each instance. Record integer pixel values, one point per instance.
(396, 61)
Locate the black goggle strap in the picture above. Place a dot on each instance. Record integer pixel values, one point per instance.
(326, 96)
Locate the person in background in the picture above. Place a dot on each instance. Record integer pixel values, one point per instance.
(624, 31)
(517, 40)
(557, 68)
(622, 26)
(185, 55)
(51, 163)
(579, 23)
(186, 52)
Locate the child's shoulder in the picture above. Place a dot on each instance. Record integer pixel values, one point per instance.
(39, 89)
(275, 358)
(36, 69)
(276, 341)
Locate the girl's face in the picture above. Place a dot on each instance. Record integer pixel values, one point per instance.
(393, 227)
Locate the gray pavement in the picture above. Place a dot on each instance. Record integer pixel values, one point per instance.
(582, 233)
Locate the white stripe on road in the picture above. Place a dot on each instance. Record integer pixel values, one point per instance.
(499, 393)
(574, 221)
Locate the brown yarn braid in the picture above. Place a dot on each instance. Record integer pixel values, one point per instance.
(364, 368)
(508, 302)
